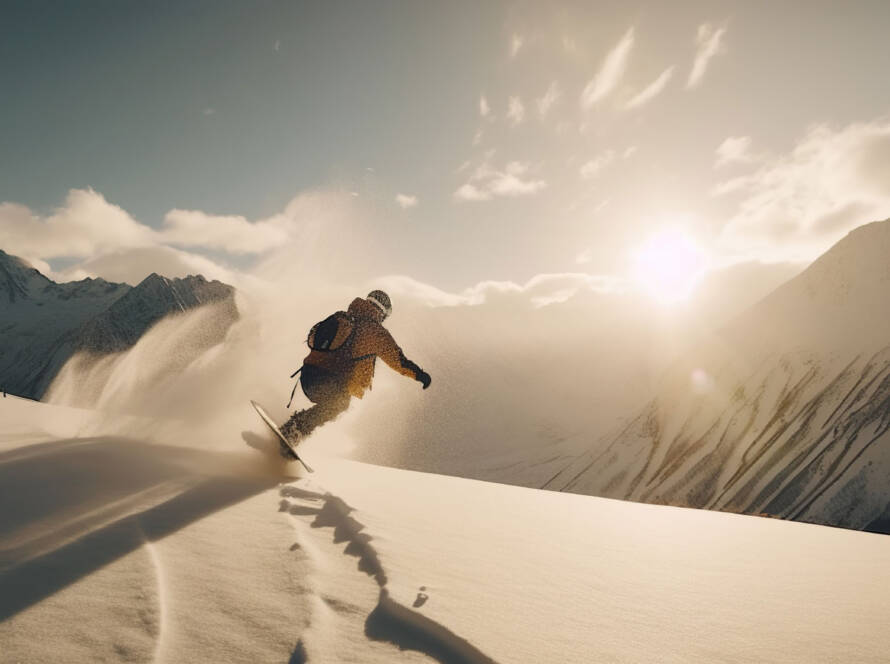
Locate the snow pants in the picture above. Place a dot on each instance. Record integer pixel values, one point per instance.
(327, 391)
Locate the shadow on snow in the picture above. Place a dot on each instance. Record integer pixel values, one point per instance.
(70, 507)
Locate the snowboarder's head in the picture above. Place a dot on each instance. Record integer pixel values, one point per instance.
(380, 300)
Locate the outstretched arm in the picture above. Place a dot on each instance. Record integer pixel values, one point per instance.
(390, 353)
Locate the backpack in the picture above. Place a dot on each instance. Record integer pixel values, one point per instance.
(333, 333)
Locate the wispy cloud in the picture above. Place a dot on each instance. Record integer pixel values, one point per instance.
(406, 201)
(734, 149)
(487, 183)
(515, 45)
(610, 72)
(549, 100)
(515, 111)
(794, 206)
(592, 168)
(652, 90)
(209, 111)
(541, 290)
(484, 108)
(709, 43)
(277, 45)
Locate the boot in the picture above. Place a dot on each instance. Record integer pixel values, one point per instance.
(291, 430)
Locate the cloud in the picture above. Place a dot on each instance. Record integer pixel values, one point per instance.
(734, 149)
(708, 41)
(277, 46)
(795, 206)
(540, 290)
(730, 186)
(515, 111)
(406, 201)
(402, 286)
(487, 182)
(209, 111)
(652, 90)
(133, 265)
(610, 72)
(484, 108)
(584, 257)
(515, 45)
(549, 100)
(543, 289)
(85, 225)
(233, 234)
(314, 232)
(470, 192)
(595, 166)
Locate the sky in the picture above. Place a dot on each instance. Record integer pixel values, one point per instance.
(453, 144)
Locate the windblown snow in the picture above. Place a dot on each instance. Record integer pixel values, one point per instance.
(115, 548)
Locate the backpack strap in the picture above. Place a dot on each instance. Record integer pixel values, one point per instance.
(293, 391)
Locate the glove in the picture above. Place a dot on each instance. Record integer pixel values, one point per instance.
(423, 378)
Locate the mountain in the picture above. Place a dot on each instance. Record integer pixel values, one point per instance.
(785, 412)
(120, 326)
(43, 323)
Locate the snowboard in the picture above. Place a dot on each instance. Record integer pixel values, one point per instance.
(288, 451)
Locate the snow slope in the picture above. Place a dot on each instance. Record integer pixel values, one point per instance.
(117, 549)
(786, 411)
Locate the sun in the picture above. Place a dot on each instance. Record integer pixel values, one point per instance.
(668, 266)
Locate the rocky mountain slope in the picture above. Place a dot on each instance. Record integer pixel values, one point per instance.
(785, 412)
(43, 323)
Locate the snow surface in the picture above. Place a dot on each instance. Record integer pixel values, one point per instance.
(116, 549)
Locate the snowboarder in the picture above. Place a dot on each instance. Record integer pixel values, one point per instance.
(344, 348)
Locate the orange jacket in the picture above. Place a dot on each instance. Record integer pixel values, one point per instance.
(371, 340)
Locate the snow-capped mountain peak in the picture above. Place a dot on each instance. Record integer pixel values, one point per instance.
(18, 280)
(43, 323)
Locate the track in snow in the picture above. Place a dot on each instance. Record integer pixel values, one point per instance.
(389, 621)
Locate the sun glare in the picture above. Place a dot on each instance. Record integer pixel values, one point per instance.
(668, 266)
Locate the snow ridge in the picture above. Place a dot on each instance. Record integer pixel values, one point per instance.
(390, 620)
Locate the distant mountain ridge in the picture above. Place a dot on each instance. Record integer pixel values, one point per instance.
(43, 323)
(120, 326)
(785, 412)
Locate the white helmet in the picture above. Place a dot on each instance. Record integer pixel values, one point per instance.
(381, 300)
